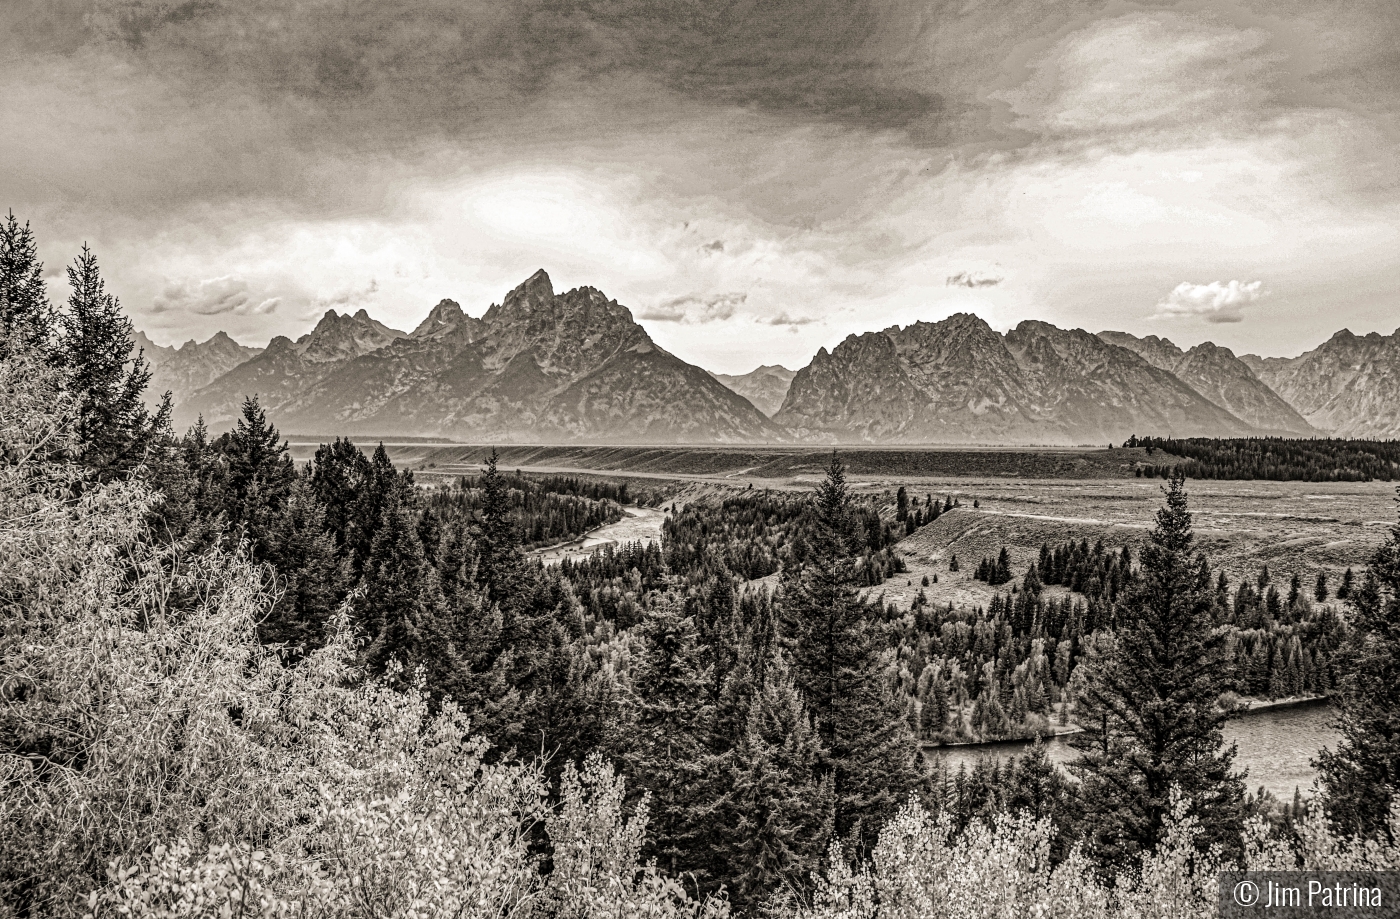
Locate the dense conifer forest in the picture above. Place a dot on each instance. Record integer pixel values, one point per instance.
(232, 686)
(1276, 459)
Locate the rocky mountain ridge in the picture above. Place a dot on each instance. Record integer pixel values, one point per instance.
(1224, 379)
(576, 366)
(191, 366)
(959, 381)
(536, 367)
(1348, 386)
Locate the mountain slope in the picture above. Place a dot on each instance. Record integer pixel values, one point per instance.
(766, 386)
(181, 371)
(1224, 379)
(958, 381)
(1349, 386)
(536, 367)
(1094, 391)
(285, 368)
(945, 382)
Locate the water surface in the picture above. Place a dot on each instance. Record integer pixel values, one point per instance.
(1275, 747)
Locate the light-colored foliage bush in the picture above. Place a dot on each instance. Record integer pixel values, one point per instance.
(1001, 871)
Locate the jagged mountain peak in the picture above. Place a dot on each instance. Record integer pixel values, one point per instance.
(535, 294)
(338, 336)
(538, 366)
(447, 318)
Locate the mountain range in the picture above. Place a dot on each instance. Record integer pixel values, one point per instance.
(577, 367)
(537, 367)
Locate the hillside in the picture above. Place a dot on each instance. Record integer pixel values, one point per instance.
(959, 381)
(1224, 379)
(766, 386)
(1349, 386)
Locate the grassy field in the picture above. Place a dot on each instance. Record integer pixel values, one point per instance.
(1291, 527)
(774, 463)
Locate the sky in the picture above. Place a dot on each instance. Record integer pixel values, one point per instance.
(754, 179)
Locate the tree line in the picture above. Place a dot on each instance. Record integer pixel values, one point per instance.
(1277, 459)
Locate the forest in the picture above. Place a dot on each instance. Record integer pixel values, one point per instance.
(233, 686)
(1277, 459)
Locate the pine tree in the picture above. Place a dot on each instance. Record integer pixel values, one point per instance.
(314, 577)
(835, 645)
(480, 685)
(501, 566)
(259, 477)
(1359, 778)
(1320, 588)
(779, 810)
(901, 505)
(664, 742)
(114, 427)
(402, 612)
(380, 481)
(1348, 583)
(340, 472)
(25, 314)
(1150, 709)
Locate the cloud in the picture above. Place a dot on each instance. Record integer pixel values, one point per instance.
(695, 310)
(346, 300)
(972, 279)
(212, 297)
(1213, 302)
(791, 321)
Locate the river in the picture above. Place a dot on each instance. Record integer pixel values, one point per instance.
(640, 525)
(1275, 746)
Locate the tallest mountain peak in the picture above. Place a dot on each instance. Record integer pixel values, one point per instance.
(537, 285)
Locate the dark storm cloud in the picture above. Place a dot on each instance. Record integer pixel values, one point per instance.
(448, 63)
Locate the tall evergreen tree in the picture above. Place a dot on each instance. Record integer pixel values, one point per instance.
(779, 811)
(664, 741)
(501, 566)
(114, 427)
(259, 474)
(1150, 705)
(836, 643)
(313, 577)
(25, 314)
(1360, 777)
(376, 485)
(402, 612)
(340, 472)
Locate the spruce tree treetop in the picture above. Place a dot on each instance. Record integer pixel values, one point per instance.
(25, 313)
(114, 427)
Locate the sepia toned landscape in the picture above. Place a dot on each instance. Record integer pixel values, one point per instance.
(564, 459)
